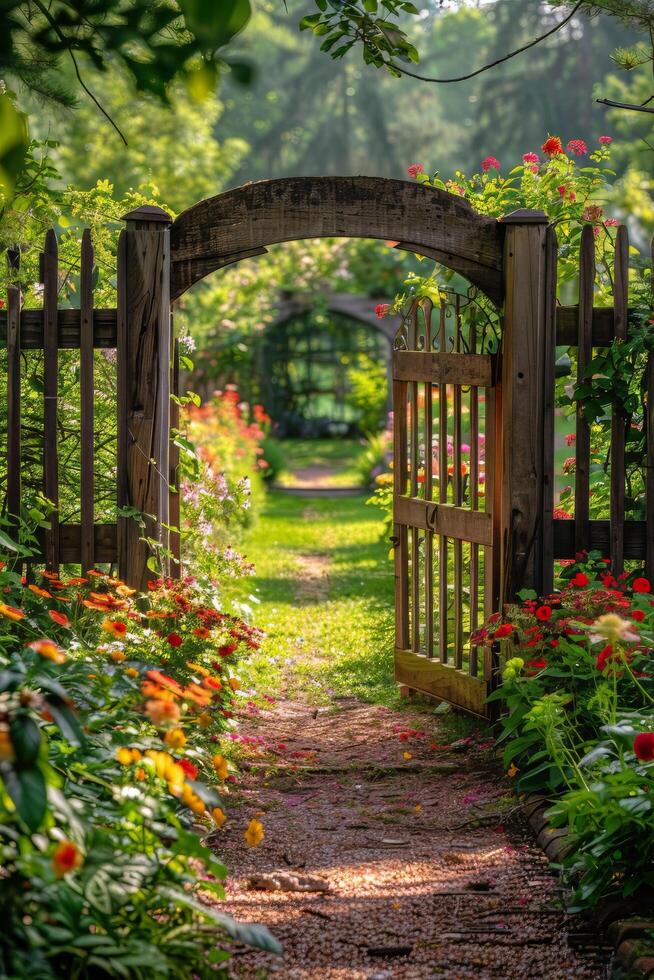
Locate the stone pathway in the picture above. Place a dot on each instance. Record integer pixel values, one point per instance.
(431, 870)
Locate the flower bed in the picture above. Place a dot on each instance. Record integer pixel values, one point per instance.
(111, 709)
(578, 687)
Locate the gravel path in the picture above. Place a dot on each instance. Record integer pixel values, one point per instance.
(430, 869)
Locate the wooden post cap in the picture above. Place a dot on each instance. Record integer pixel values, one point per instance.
(148, 213)
(525, 216)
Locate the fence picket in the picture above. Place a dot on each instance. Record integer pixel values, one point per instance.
(442, 497)
(429, 492)
(87, 543)
(173, 479)
(13, 392)
(585, 353)
(50, 379)
(619, 420)
(649, 478)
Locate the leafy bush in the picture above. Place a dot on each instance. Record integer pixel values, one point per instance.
(111, 705)
(579, 689)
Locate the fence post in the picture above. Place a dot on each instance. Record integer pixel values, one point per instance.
(527, 410)
(144, 365)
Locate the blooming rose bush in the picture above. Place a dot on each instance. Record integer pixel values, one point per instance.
(578, 686)
(112, 707)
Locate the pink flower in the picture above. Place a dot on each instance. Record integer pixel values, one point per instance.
(490, 162)
(572, 196)
(530, 158)
(611, 223)
(562, 190)
(606, 140)
(578, 147)
(381, 310)
(415, 169)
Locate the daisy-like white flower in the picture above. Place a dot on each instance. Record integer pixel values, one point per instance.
(613, 628)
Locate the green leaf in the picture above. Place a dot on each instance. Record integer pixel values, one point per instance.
(309, 22)
(215, 24)
(27, 789)
(14, 142)
(26, 739)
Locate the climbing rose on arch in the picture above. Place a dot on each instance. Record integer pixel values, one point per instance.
(490, 163)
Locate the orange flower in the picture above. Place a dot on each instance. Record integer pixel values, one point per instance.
(193, 692)
(212, 682)
(60, 618)
(254, 833)
(77, 581)
(219, 817)
(162, 712)
(202, 632)
(10, 612)
(125, 591)
(117, 656)
(150, 690)
(6, 747)
(198, 668)
(204, 720)
(234, 683)
(132, 672)
(67, 856)
(114, 627)
(164, 681)
(37, 591)
(175, 738)
(49, 650)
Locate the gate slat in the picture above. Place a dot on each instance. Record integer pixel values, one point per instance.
(175, 536)
(619, 420)
(458, 498)
(474, 504)
(50, 378)
(401, 534)
(442, 496)
(549, 408)
(585, 353)
(649, 485)
(429, 490)
(413, 480)
(87, 542)
(453, 368)
(13, 394)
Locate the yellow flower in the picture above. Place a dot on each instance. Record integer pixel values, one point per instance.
(219, 817)
(125, 591)
(175, 738)
(10, 612)
(407, 756)
(117, 656)
(220, 765)
(114, 628)
(204, 720)
(124, 756)
(198, 668)
(512, 771)
(140, 774)
(235, 683)
(131, 672)
(254, 833)
(197, 805)
(48, 649)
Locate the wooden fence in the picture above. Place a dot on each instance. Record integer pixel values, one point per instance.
(87, 329)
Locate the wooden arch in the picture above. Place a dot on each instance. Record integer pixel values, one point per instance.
(240, 223)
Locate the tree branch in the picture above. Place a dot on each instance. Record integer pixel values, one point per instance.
(626, 105)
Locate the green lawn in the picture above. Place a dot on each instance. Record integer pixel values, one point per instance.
(334, 461)
(323, 591)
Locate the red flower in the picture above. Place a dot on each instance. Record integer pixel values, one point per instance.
(174, 639)
(561, 515)
(641, 585)
(605, 140)
(188, 767)
(638, 615)
(578, 147)
(504, 630)
(490, 163)
(552, 146)
(579, 580)
(201, 632)
(537, 664)
(59, 617)
(543, 613)
(415, 169)
(530, 158)
(381, 310)
(644, 746)
(562, 190)
(228, 648)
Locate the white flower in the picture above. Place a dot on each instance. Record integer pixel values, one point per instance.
(613, 628)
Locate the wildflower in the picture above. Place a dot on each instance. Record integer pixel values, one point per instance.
(175, 738)
(190, 771)
(66, 857)
(6, 747)
(611, 223)
(132, 672)
(543, 613)
(49, 650)
(570, 464)
(254, 833)
(117, 656)
(605, 140)
(114, 628)
(530, 158)
(220, 765)
(162, 712)
(60, 618)
(644, 746)
(512, 771)
(504, 630)
(10, 612)
(407, 756)
(212, 682)
(174, 639)
(613, 628)
(42, 593)
(235, 683)
(609, 657)
(490, 163)
(579, 580)
(552, 146)
(218, 816)
(415, 169)
(593, 212)
(561, 515)
(227, 649)
(637, 614)
(641, 585)
(562, 189)
(201, 632)
(164, 681)
(578, 147)
(124, 756)
(570, 438)
(381, 310)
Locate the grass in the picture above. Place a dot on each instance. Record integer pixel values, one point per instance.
(337, 458)
(323, 592)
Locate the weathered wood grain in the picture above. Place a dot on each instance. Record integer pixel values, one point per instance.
(448, 368)
(220, 230)
(400, 532)
(13, 403)
(87, 391)
(446, 519)
(50, 393)
(619, 416)
(443, 681)
(584, 355)
(649, 474)
(549, 408)
(599, 537)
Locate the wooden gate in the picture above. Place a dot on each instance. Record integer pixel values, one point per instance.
(445, 527)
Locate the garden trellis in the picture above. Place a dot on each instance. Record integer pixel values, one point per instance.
(508, 533)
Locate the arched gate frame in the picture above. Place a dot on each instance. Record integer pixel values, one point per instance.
(513, 261)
